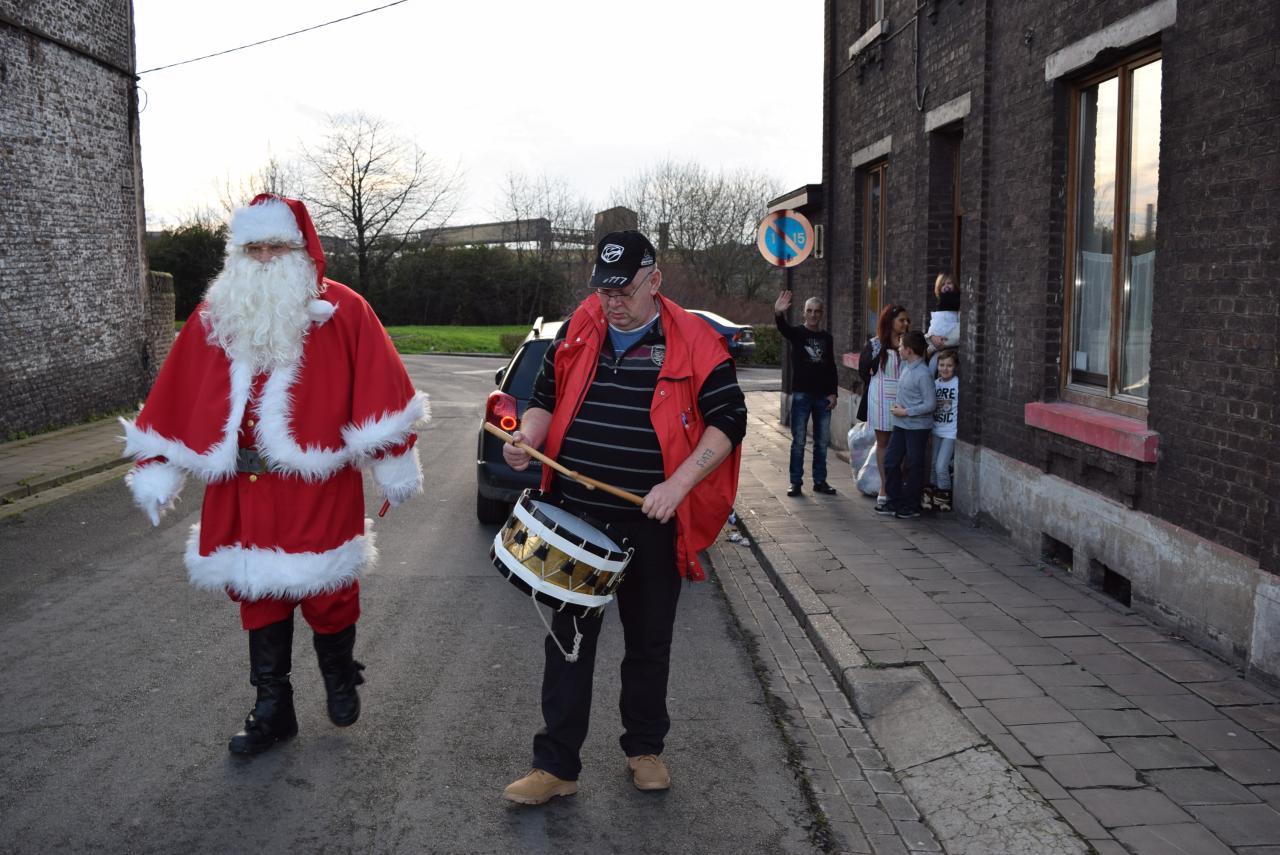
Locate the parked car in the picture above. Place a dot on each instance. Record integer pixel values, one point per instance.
(741, 338)
(497, 484)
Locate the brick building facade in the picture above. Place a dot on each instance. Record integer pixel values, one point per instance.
(1125, 425)
(79, 329)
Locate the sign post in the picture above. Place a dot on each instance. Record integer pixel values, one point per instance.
(785, 238)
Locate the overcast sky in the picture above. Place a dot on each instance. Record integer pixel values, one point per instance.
(590, 92)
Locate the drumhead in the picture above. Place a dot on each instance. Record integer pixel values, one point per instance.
(577, 526)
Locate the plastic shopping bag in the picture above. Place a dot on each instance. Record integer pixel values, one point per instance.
(868, 474)
(860, 438)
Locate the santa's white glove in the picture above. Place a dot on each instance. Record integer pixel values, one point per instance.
(155, 488)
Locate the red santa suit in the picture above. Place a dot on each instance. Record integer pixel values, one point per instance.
(294, 530)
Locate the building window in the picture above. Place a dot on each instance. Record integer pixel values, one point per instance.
(1113, 173)
(873, 221)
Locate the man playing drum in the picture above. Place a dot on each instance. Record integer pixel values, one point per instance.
(636, 392)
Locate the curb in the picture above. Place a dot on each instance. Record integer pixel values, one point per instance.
(82, 481)
(23, 491)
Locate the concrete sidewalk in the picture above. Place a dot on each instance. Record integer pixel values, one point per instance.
(42, 468)
(1141, 742)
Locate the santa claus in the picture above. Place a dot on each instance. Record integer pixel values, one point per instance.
(280, 388)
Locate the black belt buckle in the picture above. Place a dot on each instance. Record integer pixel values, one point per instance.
(248, 460)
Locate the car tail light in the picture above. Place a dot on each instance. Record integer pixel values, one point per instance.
(737, 336)
(500, 409)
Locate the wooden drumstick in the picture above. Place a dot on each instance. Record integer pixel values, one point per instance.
(589, 483)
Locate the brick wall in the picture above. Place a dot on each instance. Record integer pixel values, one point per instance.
(1214, 330)
(73, 332)
(1215, 322)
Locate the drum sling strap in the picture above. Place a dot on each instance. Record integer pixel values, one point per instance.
(577, 636)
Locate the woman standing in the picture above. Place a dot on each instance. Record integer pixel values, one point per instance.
(880, 367)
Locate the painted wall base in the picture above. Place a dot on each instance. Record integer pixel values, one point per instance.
(1215, 597)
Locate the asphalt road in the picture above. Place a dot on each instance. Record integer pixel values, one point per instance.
(121, 685)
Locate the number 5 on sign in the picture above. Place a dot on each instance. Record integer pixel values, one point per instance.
(785, 238)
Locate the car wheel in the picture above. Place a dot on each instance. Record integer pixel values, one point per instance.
(490, 511)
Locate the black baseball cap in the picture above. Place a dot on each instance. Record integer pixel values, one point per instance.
(618, 256)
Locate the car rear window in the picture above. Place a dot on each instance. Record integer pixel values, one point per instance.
(524, 369)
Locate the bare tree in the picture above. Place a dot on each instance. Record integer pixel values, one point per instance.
(548, 219)
(281, 177)
(528, 199)
(711, 220)
(375, 189)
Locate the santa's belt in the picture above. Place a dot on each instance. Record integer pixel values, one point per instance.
(248, 460)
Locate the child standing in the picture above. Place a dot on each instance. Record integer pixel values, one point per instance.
(912, 424)
(944, 322)
(946, 390)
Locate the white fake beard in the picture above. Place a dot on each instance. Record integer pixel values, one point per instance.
(257, 312)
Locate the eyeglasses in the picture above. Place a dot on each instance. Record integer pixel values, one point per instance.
(607, 294)
(272, 249)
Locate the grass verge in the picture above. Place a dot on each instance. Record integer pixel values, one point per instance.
(451, 339)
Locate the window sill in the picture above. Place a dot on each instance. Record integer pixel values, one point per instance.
(1108, 431)
(876, 30)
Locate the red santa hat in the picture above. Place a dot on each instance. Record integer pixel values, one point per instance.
(271, 218)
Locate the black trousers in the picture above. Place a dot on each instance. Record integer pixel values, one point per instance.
(904, 491)
(646, 603)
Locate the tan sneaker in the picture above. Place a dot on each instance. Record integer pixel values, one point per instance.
(648, 772)
(538, 787)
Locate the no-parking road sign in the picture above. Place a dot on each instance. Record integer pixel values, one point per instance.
(785, 238)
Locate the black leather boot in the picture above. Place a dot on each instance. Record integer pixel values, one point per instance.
(341, 674)
(272, 718)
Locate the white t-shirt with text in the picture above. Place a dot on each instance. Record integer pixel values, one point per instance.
(947, 393)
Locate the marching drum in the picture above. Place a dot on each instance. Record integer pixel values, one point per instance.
(563, 559)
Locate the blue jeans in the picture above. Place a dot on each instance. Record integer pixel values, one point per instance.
(944, 448)
(804, 405)
(904, 493)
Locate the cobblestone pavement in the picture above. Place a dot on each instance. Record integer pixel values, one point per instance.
(1140, 741)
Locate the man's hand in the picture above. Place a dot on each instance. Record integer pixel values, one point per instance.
(831, 402)
(898, 410)
(532, 432)
(517, 458)
(661, 502)
(783, 303)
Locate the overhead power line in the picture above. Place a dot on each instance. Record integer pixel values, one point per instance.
(274, 38)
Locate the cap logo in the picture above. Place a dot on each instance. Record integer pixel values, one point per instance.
(646, 259)
(610, 253)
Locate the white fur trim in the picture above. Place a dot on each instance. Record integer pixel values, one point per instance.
(275, 438)
(254, 573)
(216, 464)
(375, 434)
(156, 483)
(155, 487)
(273, 434)
(272, 220)
(400, 477)
(320, 311)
